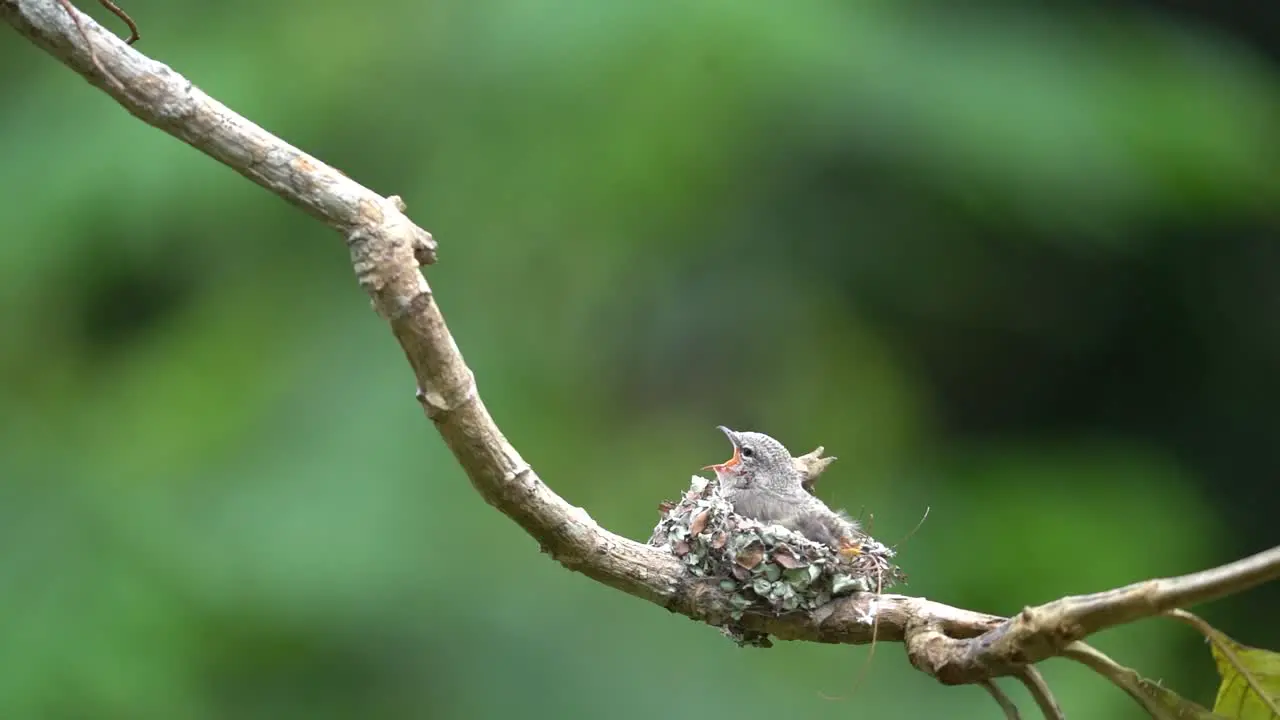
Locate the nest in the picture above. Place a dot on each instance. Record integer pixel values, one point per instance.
(765, 569)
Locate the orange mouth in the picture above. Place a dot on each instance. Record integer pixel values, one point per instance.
(737, 458)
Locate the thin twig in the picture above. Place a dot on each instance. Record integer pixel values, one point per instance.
(1010, 710)
(1120, 676)
(88, 44)
(133, 27)
(914, 530)
(1039, 689)
(1219, 641)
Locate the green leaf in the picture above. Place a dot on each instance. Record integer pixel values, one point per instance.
(1236, 698)
(801, 577)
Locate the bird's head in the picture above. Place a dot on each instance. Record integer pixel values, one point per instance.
(758, 461)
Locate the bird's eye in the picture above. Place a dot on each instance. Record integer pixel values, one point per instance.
(747, 452)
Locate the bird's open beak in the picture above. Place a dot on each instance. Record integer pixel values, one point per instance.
(737, 451)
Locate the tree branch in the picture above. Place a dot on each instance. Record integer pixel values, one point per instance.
(1041, 632)
(386, 252)
(387, 249)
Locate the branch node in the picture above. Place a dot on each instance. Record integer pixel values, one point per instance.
(438, 404)
(514, 474)
(580, 514)
(423, 243)
(424, 247)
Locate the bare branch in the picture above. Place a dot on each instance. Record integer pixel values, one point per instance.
(387, 249)
(161, 97)
(1041, 632)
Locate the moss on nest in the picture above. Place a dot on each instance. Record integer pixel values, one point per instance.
(765, 569)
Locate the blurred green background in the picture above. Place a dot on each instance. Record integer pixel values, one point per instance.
(1015, 263)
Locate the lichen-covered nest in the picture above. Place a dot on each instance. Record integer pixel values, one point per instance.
(765, 568)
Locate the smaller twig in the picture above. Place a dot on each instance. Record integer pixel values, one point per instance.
(1120, 676)
(1218, 640)
(88, 44)
(914, 530)
(93, 54)
(1010, 710)
(1039, 689)
(133, 27)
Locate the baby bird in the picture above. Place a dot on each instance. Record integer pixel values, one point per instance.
(762, 483)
